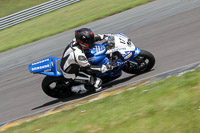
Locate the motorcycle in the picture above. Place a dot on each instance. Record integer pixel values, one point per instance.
(118, 50)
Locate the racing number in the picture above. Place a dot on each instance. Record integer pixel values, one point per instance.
(122, 41)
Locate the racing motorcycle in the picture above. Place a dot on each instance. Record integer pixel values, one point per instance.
(118, 50)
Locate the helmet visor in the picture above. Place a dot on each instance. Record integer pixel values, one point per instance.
(89, 42)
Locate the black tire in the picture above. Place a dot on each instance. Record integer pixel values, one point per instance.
(145, 60)
(56, 87)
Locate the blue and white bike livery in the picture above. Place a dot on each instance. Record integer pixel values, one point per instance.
(118, 50)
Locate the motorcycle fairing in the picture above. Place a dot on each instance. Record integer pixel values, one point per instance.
(47, 66)
(123, 45)
(97, 55)
(137, 52)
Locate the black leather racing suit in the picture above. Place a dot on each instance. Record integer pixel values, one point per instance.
(75, 66)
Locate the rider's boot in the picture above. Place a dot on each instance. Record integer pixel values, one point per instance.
(97, 84)
(79, 89)
(94, 85)
(87, 82)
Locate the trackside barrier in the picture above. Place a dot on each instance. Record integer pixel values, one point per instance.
(33, 12)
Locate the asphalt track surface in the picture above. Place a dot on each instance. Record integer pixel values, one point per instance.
(170, 29)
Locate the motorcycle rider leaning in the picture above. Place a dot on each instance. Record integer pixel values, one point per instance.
(75, 66)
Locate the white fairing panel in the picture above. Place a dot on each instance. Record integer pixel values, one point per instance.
(122, 44)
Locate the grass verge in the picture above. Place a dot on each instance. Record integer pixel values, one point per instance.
(61, 20)
(170, 105)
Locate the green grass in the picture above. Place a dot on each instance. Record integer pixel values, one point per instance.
(61, 20)
(168, 106)
(8, 7)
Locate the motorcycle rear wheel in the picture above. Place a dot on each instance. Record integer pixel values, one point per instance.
(56, 87)
(145, 61)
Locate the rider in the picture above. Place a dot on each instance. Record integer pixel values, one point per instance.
(75, 66)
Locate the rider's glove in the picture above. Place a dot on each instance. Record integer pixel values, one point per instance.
(106, 68)
(101, 36)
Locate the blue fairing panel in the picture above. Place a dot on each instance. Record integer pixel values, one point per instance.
(41, 65)
(97, 54)
(47, 66)
(137, 52)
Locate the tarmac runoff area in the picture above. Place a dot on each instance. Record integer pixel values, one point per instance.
(99, 95)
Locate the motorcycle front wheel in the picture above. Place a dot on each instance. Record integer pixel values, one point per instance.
(56, 87)
(144, 62)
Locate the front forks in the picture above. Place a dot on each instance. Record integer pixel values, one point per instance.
(137, 63)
